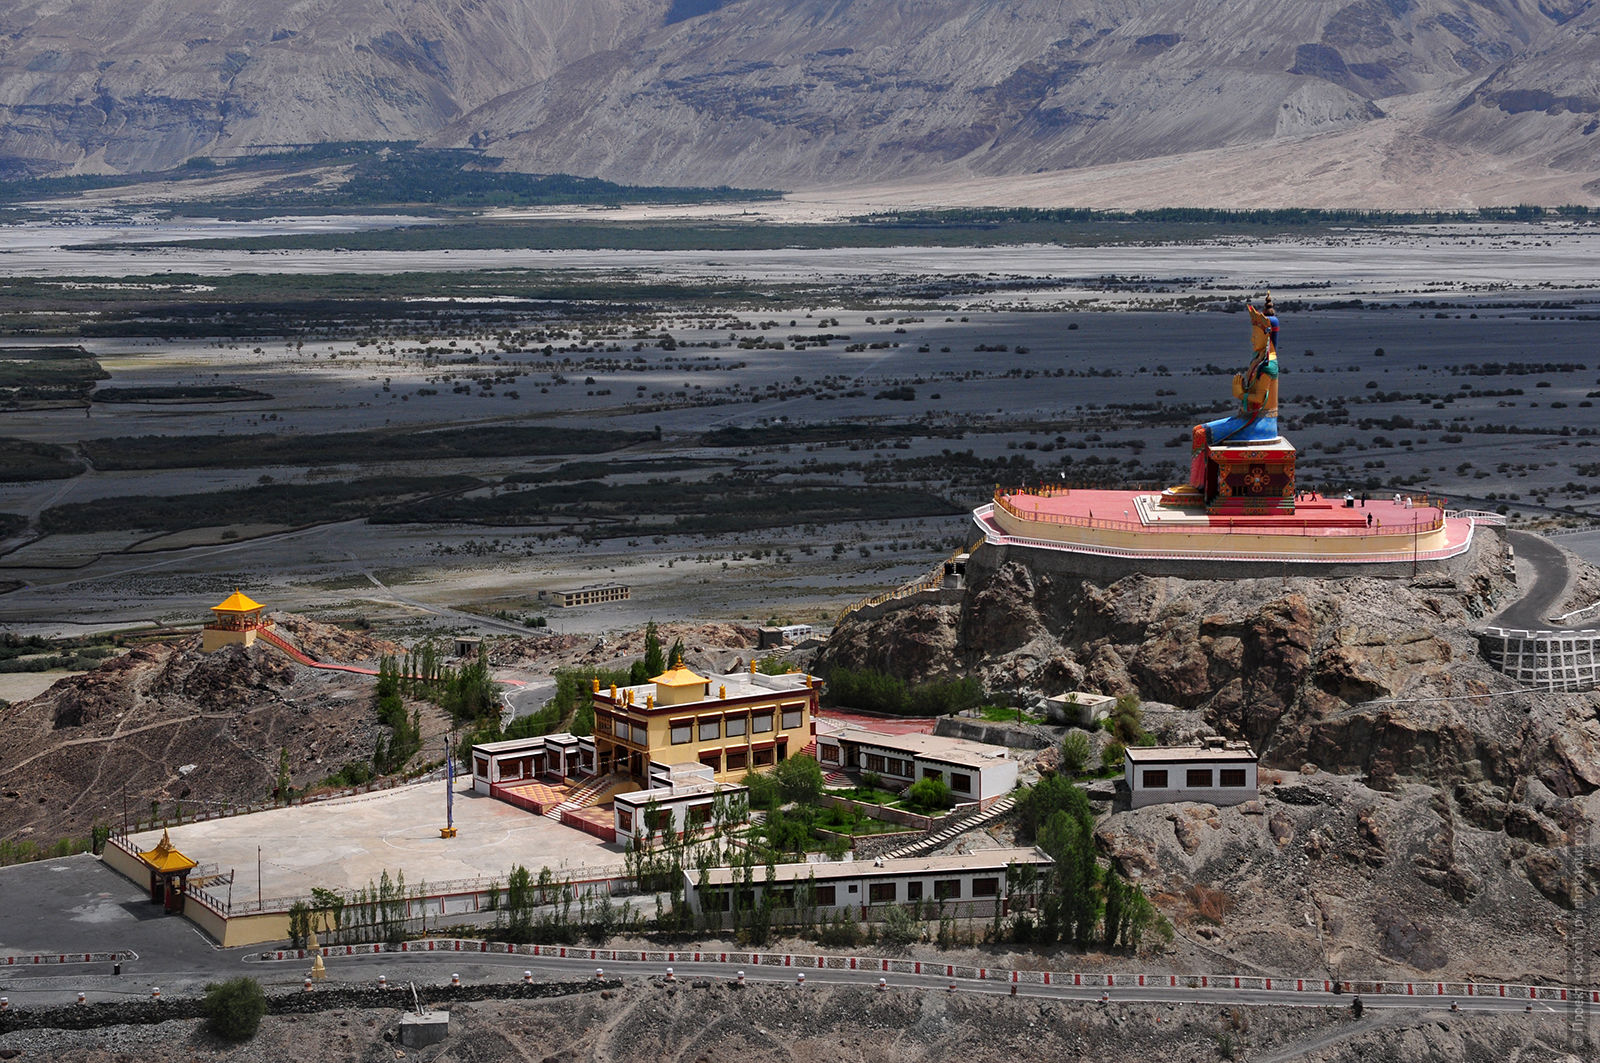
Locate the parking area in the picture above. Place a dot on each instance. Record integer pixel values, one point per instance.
(77, 904)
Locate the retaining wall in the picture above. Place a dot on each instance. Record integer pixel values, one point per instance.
(247, 923)
(1107, 567)
(898, 816)
(1547, 660)
(879, 964)
(926, 596)
(1015, 736)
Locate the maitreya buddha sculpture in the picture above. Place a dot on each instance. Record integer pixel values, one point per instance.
(1257, 420)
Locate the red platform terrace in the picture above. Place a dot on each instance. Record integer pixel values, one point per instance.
(1239, 504)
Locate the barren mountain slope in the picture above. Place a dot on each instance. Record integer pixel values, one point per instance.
(168, 724)
(809, 93)
(799, 94)
(1544, 102)
(124, 85)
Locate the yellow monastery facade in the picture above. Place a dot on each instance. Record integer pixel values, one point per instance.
(732, 724)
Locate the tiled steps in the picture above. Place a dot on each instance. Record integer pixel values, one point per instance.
(930, 842)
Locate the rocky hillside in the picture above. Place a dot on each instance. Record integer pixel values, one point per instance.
(1361, 676)
(125, 85)
(798, 94)
(1389, 778)
(167, 723)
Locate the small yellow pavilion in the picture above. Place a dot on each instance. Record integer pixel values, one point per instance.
(679, 686)
(169, 873)
(235, 621)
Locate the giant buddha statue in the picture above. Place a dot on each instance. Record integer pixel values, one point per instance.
(1249, 436)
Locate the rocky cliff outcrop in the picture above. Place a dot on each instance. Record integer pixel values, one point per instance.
(1436, 763)
(1379, 677)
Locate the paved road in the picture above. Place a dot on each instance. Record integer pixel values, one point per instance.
(1551, 573)
(40, 987)
(79, 904)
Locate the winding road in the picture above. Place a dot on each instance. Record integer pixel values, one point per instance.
(1552, 572)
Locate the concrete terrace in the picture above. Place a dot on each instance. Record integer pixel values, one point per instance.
(1131, 524)
(347, 843)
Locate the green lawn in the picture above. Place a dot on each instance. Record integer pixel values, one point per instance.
(1002, 714)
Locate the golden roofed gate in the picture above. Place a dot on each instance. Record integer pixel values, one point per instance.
(169, 873)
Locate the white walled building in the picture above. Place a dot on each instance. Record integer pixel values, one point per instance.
(684, 805)
(974, 771)
(517, 760)
(1079, 708)
(961, 884)
(1216, 772)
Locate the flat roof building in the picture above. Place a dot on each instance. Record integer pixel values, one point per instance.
(956, 884)
(785, 634)
(974, 771)
(1216, 772)
(607, 592)
(686, 806)
(520, 760)
(1079, 708)
(732, 724)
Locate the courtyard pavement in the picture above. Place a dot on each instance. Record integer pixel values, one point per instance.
(348, 843)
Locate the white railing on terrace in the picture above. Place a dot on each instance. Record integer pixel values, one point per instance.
(999, 537)
(1486, 517)
(1281, 525)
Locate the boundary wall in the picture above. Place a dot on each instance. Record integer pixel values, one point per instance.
(968, 972)
(37, 958)
(252, 922)
(1108, 563)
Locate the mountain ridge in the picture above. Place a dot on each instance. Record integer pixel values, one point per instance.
(812, 94)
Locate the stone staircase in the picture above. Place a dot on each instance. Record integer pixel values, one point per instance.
(592, 792)
(971, 821)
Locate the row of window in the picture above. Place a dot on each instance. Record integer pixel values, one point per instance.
(883, 765)
(704, 729)
(1194, 778)
(635, 733)
(733, 725)
(659, 820)
(741, 759)
(514, 768)
(944, 889)
(960, 781)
